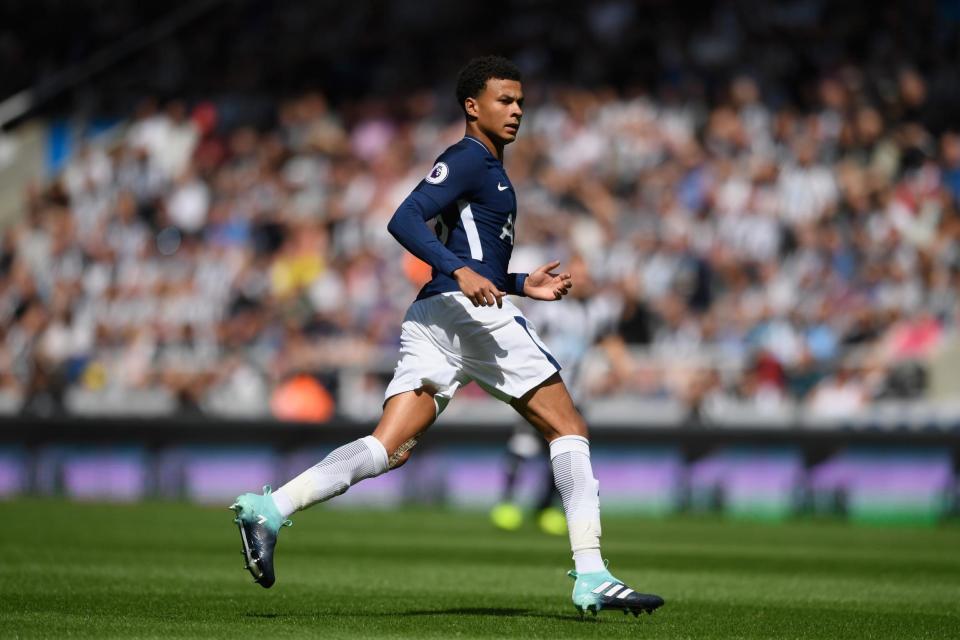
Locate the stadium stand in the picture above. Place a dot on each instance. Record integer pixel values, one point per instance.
(781, 232)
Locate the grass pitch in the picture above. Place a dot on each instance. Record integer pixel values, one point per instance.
(174, 571)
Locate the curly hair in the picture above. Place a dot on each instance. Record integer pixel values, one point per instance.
(473, 77)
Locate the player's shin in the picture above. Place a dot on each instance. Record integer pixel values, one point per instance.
(343, 467)
(579, 491)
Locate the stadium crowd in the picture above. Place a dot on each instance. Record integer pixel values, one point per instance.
(764, 252)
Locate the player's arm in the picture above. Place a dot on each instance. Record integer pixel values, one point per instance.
(452, 177)
(408, 226)
(542, 284)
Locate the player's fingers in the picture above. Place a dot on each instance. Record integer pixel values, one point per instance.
(553, 264)
(499, 296)
(475, 299)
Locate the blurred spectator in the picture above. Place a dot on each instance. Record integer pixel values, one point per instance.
(302, 399)
(838, 396)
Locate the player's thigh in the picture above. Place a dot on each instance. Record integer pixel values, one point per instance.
(405, 415)
(550, 409)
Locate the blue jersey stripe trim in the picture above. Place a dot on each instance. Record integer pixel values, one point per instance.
(523, 323)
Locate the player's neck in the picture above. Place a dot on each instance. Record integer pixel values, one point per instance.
(493, 147)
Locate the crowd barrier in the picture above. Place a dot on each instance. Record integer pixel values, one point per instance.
(890, 475)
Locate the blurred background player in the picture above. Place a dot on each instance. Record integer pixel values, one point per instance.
(585, 317)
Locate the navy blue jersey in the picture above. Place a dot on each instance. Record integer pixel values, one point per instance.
(469, 193)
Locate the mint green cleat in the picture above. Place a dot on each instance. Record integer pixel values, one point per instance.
(600, 590)
(259, 522)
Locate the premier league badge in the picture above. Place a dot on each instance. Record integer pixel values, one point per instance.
(439, 173)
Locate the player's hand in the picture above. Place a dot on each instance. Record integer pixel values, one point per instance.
(478, 289)
(543, 284)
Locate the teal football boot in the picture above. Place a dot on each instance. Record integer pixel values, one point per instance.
(259, 522)
(600, 590)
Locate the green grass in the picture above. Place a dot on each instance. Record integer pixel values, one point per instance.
(174, 571)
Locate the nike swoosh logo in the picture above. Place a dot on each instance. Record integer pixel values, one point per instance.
(500, 188)
(261, 519)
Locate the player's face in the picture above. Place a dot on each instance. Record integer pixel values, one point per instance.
(499, 108)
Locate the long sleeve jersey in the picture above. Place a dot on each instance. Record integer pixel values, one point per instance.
(472, 198)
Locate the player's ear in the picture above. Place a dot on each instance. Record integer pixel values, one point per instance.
(470, 106)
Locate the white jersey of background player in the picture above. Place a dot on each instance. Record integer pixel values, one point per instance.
(584, 319)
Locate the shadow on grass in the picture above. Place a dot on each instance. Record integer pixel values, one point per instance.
(510, 613)
(493, 612)
(497, 612)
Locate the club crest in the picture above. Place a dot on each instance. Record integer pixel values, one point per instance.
(438, 174)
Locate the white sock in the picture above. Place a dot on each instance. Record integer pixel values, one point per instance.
(343, 467)
(580, 492)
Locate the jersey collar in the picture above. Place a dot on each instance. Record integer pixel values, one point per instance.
(472, 139)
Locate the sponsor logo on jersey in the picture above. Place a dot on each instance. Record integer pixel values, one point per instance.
(439, 173)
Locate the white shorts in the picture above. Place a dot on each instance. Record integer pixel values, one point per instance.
(445, 342)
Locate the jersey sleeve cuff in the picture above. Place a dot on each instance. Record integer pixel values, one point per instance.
(515, 282)
(451, 265)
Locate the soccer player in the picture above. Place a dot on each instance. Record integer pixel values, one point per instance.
(462, 327)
